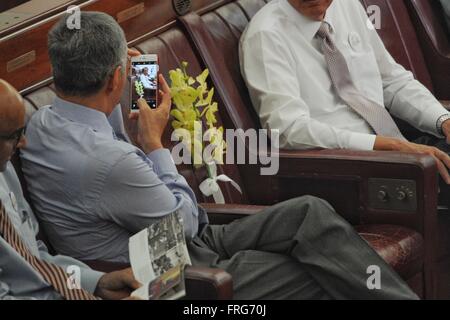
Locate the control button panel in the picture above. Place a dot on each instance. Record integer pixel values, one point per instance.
(393, 194)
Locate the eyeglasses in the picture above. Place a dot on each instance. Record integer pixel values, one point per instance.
(15, 136)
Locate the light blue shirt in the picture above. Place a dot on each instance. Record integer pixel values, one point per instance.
(90, 190)
(18, 279)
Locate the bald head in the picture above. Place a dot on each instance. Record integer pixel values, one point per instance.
(12, 118)
(12, 110)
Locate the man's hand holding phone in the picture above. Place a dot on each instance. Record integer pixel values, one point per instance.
(153, 122)
(133, 53)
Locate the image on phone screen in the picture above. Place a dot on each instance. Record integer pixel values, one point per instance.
(144, 83)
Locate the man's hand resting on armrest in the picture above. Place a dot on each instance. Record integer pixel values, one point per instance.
(442, 159)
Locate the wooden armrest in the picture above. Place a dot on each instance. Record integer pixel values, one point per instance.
(343, 177)
(208, 284)
(201, 283)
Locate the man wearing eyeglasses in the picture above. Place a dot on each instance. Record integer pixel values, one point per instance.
(22, 257)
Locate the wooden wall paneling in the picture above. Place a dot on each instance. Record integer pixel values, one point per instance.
(137, 17)
(38, 16)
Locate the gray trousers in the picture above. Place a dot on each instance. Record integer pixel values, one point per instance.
(299, 249)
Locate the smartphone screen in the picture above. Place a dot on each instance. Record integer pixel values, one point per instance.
(144, 83)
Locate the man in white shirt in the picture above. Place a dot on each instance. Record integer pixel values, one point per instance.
(147, 81)
(297, 87)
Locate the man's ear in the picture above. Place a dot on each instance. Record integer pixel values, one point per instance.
(116, 79)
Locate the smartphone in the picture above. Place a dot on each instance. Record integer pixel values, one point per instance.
(144, 80)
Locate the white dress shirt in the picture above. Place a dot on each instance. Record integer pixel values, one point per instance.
(291, 89)
(147, 82)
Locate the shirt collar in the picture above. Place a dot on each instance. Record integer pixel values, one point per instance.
(77, 113)
(307, 26)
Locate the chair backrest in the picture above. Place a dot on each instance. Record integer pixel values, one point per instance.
(429, 19)
(226, 25)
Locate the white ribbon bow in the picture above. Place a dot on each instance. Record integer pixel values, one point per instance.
(210, 187)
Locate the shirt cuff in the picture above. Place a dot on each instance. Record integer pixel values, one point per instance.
(433, 115)
(89, 279)
(361, 141)
(162, 161)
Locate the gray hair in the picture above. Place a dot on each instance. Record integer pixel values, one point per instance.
(83, 59)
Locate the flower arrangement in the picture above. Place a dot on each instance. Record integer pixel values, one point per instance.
(193, 107)
(139, 88)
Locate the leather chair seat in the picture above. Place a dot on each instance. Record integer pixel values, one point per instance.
(400, 247)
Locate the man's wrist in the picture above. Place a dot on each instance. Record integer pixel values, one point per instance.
(150, 147)
(446, 128)
(443, 125)
(387, 144)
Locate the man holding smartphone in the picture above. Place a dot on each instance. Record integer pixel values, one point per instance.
(93, 190)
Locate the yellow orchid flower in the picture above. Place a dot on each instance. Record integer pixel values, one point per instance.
(194, 104)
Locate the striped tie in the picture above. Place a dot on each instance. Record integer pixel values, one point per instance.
(376, 115)
(52, 274)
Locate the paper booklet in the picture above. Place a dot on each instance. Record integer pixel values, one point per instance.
(158, 256)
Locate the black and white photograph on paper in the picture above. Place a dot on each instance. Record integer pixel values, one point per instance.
(158, 256)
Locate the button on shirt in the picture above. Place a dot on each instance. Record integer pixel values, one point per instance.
(18, 279)
(92, 191)
(291, 89)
